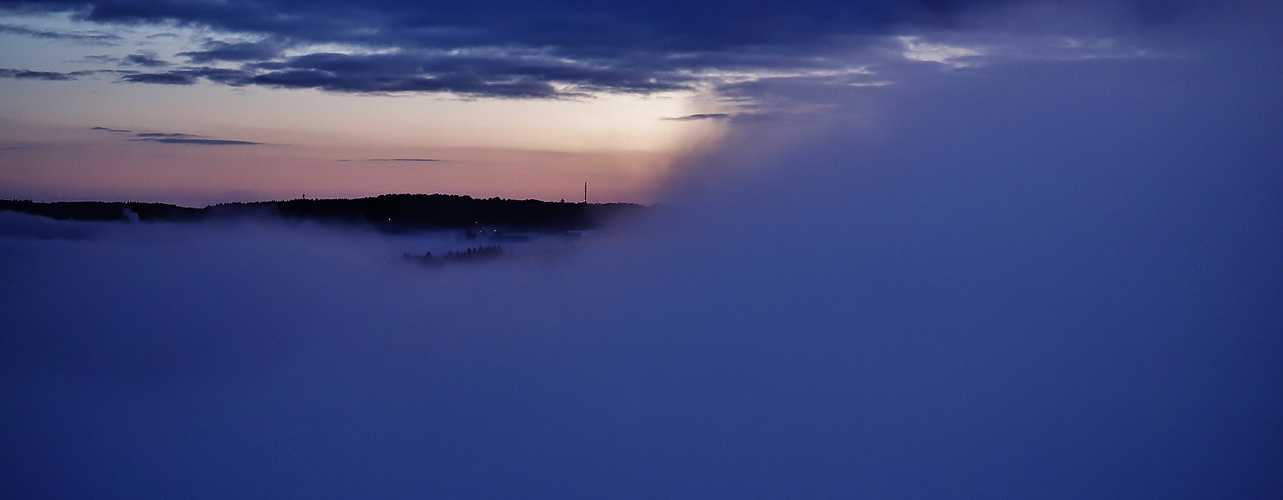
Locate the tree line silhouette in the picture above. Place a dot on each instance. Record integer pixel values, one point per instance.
(389, 212)
(481, 253)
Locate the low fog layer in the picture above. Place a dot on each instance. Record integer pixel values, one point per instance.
(1039, 280)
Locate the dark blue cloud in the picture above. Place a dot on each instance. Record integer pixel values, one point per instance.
(180, 138)
(204, 142)
(191, 75)
(523, 75)
(700, 116)
(582, 27)
(242, 51)
(24, 74)
(90, 37)
(162, 135)
(504, 86)
(169, 78)
(595, 24)
(145, 59)
(520, 49)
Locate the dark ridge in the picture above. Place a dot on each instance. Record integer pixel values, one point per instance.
(391, 212)
(103, 211)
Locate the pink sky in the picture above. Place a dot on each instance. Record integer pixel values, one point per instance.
(315, 142)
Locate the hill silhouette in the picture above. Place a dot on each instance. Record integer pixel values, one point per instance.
(390, 212)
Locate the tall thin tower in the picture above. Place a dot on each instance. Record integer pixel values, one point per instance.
(585, 191)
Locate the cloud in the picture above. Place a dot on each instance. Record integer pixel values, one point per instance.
(24, 74)
(192, 139)
(463, 84)
(953, 56)
(88, 37)
(528, 75)
(216, 51)
(204, 142)
(593, 26)
(180, 138)
(190, 76)
(169, 78)
(173, 135)
(52, 75)
(701, 116)
(539, 50)
(145, 59)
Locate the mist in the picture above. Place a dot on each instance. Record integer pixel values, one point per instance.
(1040, 279)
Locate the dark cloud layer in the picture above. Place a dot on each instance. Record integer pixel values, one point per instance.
(581, 26)
(146, 60)
(701, 116)
(172, 78)
(237, 52)
(92, 37)
(203, 142)
(180, 138)
(541, 49)
(171, 135)
(495, 75)
(25, 74)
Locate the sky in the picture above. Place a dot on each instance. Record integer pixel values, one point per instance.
(936, 249)
(274, 99)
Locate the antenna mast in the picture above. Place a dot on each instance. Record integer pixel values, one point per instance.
(585, 191)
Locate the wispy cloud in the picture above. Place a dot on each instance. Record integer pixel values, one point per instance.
(109, 129)
(101, 59)
(202, 142)
(181, 138)
(954, 56)
(26, 74)
(165, 135)
(88, 37)
(170, 78)
(216, 50)
(525, 75)
(146, 60)
(700, 116)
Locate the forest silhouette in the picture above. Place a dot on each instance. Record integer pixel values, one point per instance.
(390, 212)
